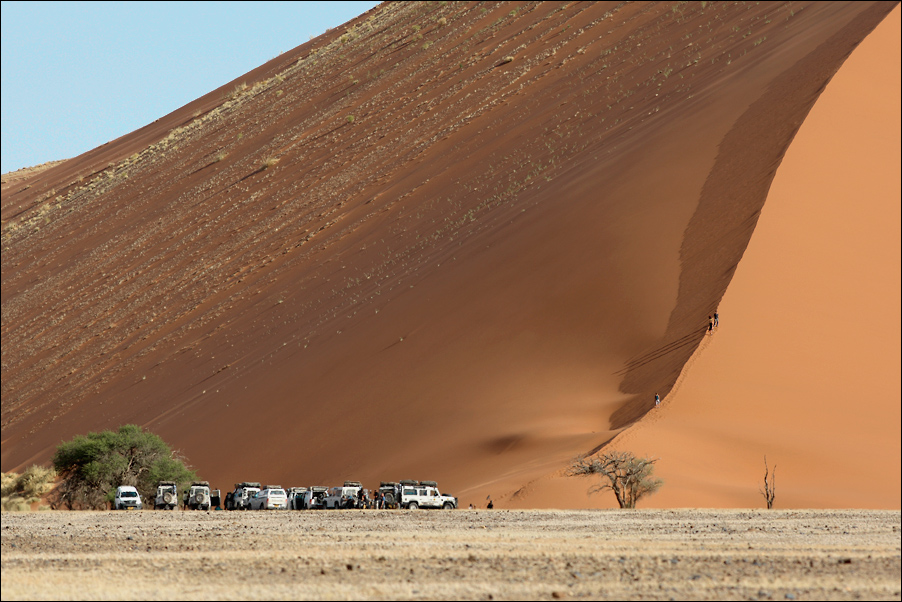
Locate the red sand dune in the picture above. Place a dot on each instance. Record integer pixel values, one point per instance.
(805, 368)
(445, 243)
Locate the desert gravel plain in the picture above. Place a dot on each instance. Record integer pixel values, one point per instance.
(464, 554)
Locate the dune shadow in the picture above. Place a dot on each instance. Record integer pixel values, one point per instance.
(728, 209)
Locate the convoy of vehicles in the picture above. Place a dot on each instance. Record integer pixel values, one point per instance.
(248, 495)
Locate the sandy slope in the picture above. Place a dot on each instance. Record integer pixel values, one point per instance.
(805, 367)
(486, 240)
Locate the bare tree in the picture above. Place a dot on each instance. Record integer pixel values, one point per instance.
(629, 477)
(770, 481)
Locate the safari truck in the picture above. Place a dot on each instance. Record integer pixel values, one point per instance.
(167, 497)
(416, 494)
(197, 497)
(346, 496)
(296, 498)
(315, 498)
(240, 498)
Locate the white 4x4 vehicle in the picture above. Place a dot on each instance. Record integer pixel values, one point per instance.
(273, 497)
(127, 498)
(296, 498)
(240, 499)
(198, 496)
(315, 498)
(347, 496)
(167, 496)
(424, 494)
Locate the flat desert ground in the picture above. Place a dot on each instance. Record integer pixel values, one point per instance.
(449, 555)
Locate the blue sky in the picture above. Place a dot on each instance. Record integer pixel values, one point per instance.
(78, 74)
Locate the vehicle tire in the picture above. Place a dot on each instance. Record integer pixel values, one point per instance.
(413, 506)
(389, 499)
(448, 506)
(199, 498)
(167, 497)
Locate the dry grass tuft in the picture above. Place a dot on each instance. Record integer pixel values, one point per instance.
(20, 491)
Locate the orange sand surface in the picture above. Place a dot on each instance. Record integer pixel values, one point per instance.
(805, 365)
(469, 242)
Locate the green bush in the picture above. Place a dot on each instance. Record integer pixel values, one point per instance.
(92, 466)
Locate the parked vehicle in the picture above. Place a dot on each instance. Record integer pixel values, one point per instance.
(418, 494)
(127, 498)
(197, 497)
(296, 498)
(167, 497)
(239, 499)
(390, 493)
(273, 497)
(315, 497)
(347, 496)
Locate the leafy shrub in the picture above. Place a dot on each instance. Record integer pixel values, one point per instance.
(92, 466)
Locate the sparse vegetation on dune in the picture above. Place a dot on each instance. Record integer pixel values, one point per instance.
(21, 491)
